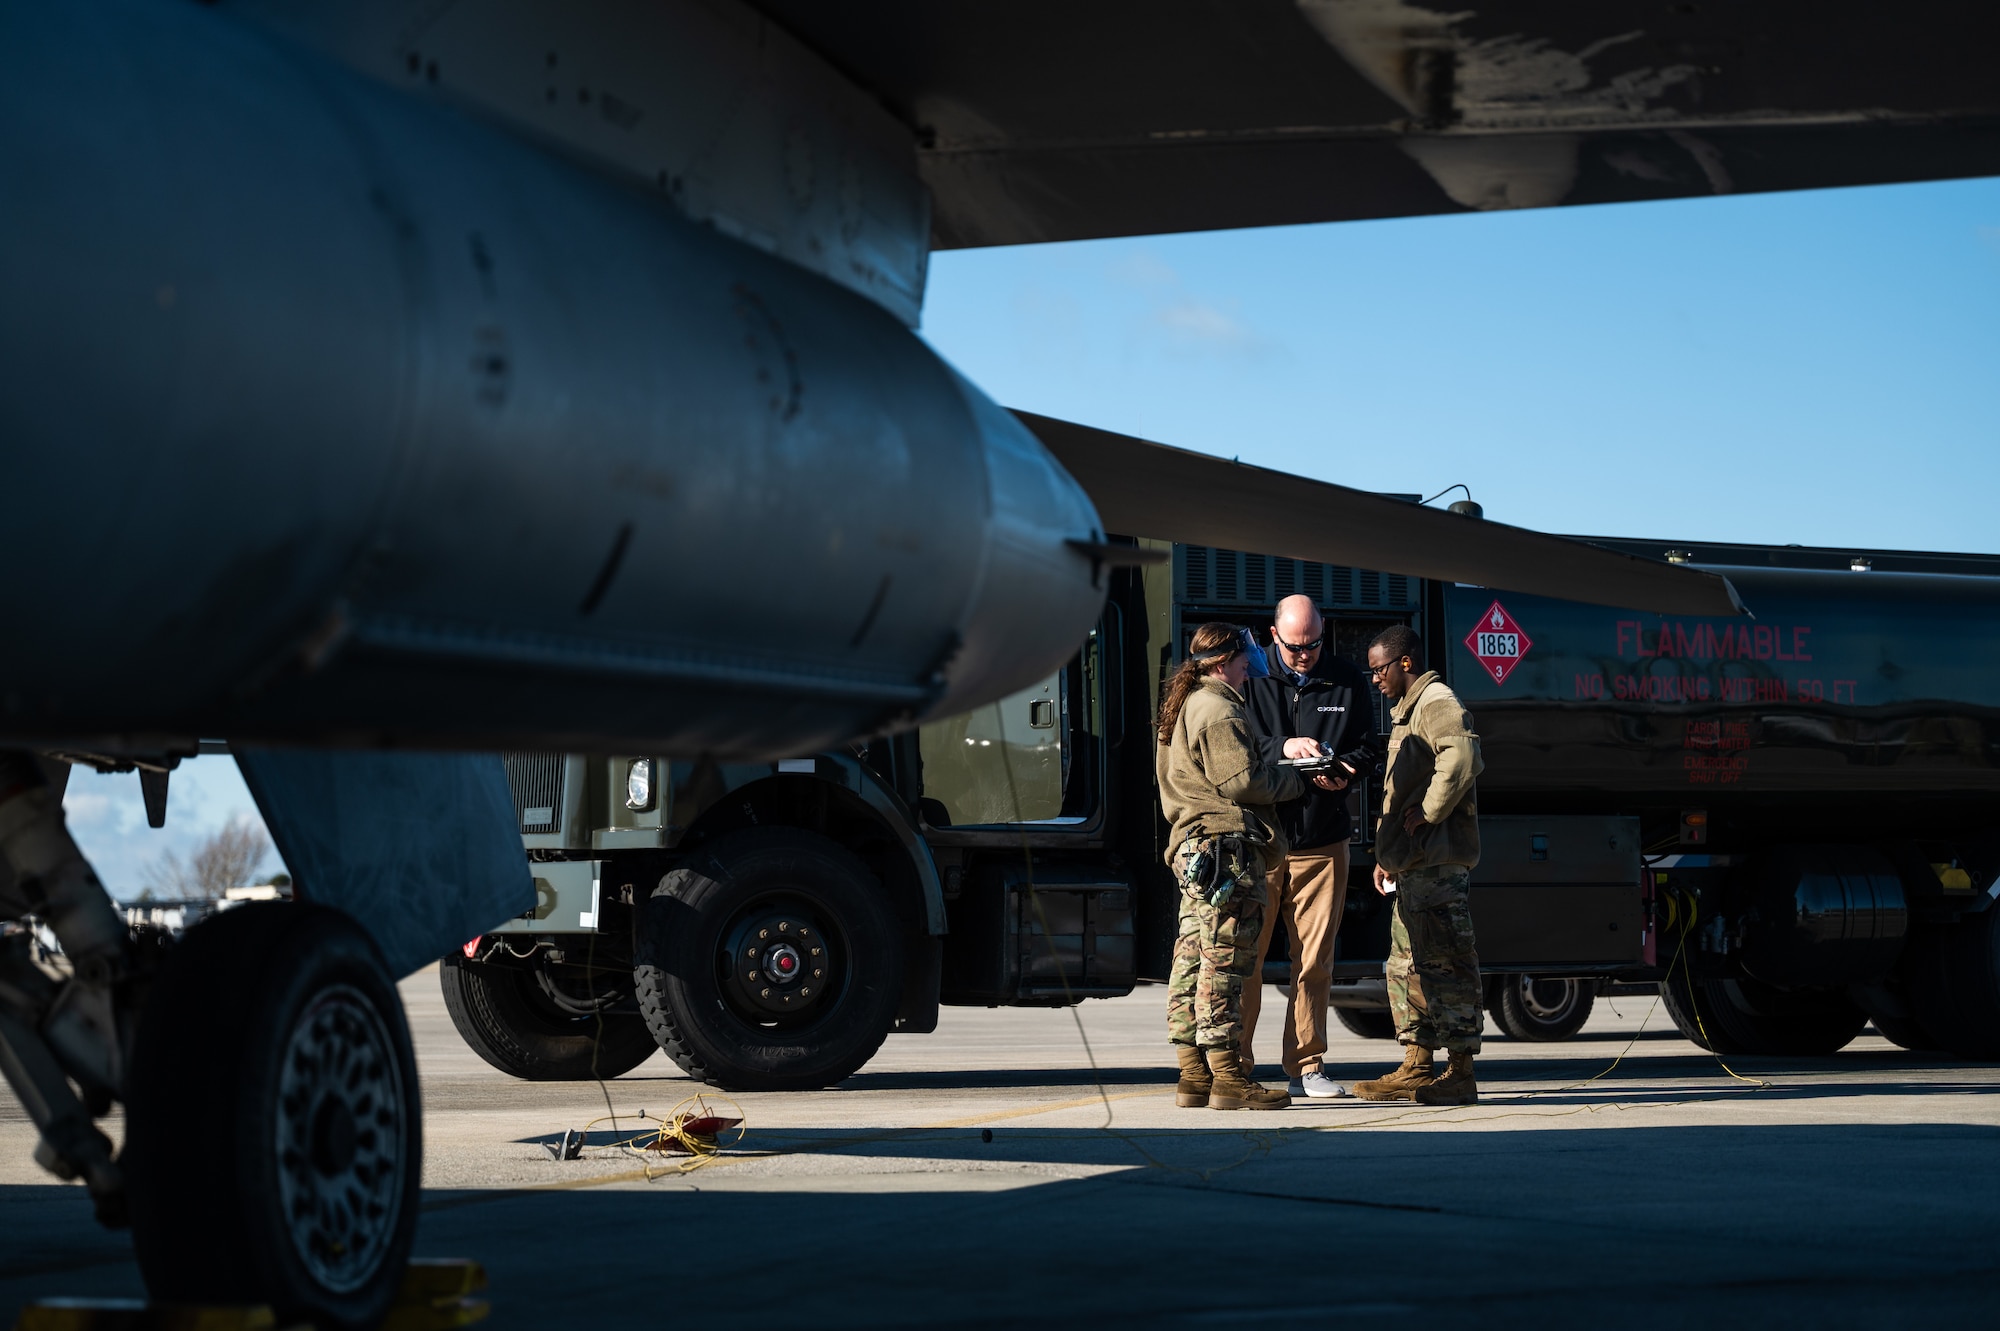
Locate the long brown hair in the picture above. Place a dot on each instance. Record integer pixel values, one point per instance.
(1213, 645)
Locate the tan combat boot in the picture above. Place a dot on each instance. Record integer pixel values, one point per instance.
(1196, 1079)
(1455, 1087)
(1233, 1090)
(1401, 1084)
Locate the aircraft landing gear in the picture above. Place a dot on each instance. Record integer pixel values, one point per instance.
(275, 1140)
(61, 1042)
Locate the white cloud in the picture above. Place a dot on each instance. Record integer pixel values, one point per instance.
(87, 808)
(1141, 269)
(1196, 321)
(107, 816)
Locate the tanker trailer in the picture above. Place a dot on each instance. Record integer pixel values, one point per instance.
(1816, 789)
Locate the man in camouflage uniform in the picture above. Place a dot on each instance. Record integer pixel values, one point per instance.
(1426, 846)
(1219, 797)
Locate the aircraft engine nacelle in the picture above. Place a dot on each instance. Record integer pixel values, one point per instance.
(331, 414)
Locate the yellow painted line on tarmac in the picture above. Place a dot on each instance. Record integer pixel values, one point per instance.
(1082, 1102)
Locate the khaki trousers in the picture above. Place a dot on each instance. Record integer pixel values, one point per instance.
(1308, 891)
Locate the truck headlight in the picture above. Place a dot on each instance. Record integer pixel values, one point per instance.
(639, 784)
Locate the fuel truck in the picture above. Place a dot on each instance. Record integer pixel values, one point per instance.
(1789, 823)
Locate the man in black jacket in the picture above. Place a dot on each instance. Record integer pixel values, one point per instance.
(1312, 698)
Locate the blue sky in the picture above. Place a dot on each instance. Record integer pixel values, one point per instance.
(1821, 368)
(107, 816)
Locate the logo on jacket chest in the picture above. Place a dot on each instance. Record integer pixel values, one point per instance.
(1330, 708)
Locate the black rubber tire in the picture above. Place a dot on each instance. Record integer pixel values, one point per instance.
(1905, 1031)
(1953, 978)
(681, 953)
(1745, 1017)
(1678, 998)
(1538, 1008)
(505, 1018)
(247, 999)
(1370, 1023)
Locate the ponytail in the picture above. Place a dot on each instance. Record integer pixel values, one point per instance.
(1213, 645)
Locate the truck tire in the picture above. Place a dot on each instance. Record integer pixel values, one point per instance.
(1954, 984)
(505, 1016)
(274, 1142)
(1370, 1023)
(771, 960)
(1745, 1017)
(1532, 1007)
(1904, 1031)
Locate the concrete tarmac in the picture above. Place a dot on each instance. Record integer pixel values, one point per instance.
(1622, 1177)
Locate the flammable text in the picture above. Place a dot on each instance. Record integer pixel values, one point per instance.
(1701, 642)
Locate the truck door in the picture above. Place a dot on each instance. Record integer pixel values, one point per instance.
(1035, 757)
(1014, 809)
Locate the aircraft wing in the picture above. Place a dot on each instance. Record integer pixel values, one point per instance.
(1043, 120)
(1147, 489)
(854, 138)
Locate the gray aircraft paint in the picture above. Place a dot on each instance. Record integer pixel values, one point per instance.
(380, 425)
(706, 102)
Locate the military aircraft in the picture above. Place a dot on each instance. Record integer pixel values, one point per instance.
(394, 381)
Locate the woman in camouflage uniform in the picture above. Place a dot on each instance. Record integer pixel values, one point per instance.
(1220, 797)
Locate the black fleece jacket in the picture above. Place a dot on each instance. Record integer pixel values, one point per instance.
(1335, 707)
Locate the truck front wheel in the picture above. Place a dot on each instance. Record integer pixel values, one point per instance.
(1745, 1017)
(533, 1023)
(1536, 1007)
(770, 961)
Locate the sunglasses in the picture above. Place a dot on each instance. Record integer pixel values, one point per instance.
(1312, 646)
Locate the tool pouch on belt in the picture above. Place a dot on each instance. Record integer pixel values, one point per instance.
(1217, 867)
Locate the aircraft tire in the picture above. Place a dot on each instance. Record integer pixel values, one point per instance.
(504, 1016)
(1954, 984)
(1530, 1007)
(1370, 1023)
(1745, 1017)
(727, 968)
(274, 1142)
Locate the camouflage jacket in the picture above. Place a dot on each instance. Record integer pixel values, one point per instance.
(1433, 760)
(1212, 783)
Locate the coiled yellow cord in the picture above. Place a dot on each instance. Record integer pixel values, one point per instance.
(673, 1137)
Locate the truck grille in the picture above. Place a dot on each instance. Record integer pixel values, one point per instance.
(1212, 576)
(537, 782)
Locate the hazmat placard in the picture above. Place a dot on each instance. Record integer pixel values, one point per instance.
(1498, 643)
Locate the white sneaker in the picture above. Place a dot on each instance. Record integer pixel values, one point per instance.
(1316, 1085)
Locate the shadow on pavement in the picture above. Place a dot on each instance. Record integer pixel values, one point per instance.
(1832, 1224)
(1505, 1062)
(1824, 1225)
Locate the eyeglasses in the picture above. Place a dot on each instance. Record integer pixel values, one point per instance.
(1312, 646)
(1375, 672)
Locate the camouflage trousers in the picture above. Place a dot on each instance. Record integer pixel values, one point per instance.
(1433, 967)
(1214, 954)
